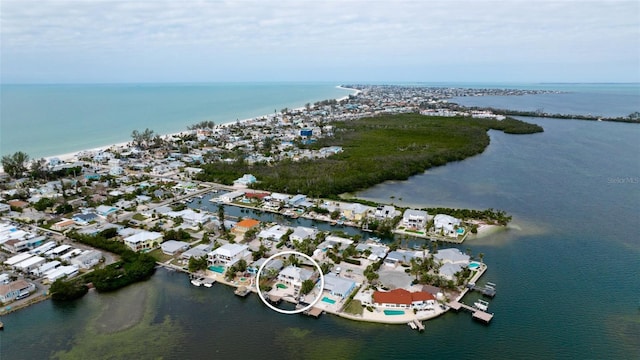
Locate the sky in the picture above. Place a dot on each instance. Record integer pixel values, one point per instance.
(226, 41)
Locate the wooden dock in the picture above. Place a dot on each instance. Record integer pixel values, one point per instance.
(314, 311)
(476, 314)
(242, 291)
(488, 290)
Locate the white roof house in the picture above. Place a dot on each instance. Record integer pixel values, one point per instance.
(338, 286)
(449, 270)
(294, 276)
(143, 240)
(452, 255)
(301, 233)
(273, 233)
(386, 212)
(45, 267)
(170, 247)
(230, 196)
(415, 219)
(17, 259)
(228, 254)
(198, 251)
(30, 263)
(445, 223)
(87, 259)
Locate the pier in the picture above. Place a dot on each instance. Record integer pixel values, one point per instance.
(488, 290)
(242, 291)
(476, 313)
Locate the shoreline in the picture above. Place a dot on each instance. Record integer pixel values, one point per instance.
(73, 155)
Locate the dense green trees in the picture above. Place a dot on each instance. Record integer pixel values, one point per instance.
(197, 263)
(16, 164)
(390, 147)
(66, 290)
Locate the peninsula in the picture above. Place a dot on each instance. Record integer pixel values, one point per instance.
(103, 218)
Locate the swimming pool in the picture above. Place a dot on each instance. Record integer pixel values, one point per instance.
(281, 286)
(327, 300)
(473, 265)
(394, 312)
(460, 231)
(218, 269)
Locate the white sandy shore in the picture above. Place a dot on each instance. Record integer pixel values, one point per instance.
(73, 156)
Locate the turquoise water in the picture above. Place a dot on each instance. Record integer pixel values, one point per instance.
(473, 265)
(218, 269)
(47, 120)
(573, 191)
(327, 300)
(394, 312)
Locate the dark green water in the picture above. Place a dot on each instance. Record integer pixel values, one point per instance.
(567, 273)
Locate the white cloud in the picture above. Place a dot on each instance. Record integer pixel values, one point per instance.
(301, 31)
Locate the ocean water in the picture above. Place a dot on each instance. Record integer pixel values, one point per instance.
(566, 271)
(48, 120)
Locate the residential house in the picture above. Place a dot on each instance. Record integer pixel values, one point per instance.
(452, 256)
(386, 212)
(228, 254)
(198, 251)
(446, 225)
(401, 298)
(15, 290)
(274, 233)
(301, 233)
(172, 247)
(231, 196)
(338, 286)
(245, 181)
(87, 259)
(63, 225)
(356, 212)
(294, 276)
(4, 208)
(143, 241)
(415, 219)
(245, 225)
(105, 211)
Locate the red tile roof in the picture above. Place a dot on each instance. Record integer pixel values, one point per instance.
(248, 223)
(400, 296)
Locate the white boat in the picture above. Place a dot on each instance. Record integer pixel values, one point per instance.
(197, 281)
(412, 325)
(209, 282)
(481, 305)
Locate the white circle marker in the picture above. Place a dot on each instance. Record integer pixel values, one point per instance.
(289, 312)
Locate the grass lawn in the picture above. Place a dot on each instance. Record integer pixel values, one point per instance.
(159, 255)
(354, 307)
(139, 217)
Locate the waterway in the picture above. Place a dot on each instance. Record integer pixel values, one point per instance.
(566, 270)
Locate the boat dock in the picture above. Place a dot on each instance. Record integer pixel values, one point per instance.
(314, 311)
(208, 282)
(477, 314)
(488, 290)
(242, 291)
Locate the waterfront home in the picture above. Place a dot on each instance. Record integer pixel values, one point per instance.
(301, 233)
(23, 244)
(338, 286)
(231, 196)
(273, 267)
(415, 219)
(228, 254)
(356, 212)
(198, 251)
(245, 225)
(401, 298)
(274, 233)
(143, 240)
(446, 225)
(62, 271)
(377, 251)
(449, 270)
(297, 200)
(386, 212)
(172, 247)
(452, 256)
(402, 257)
(191, 217)
(15, 290)
(295, 276)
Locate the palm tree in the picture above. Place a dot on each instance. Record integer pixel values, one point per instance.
(481, 256)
